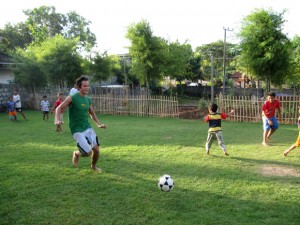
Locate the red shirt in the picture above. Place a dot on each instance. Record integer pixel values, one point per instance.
(269, 108)
(57, 103)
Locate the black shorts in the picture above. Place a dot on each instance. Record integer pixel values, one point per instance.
(19, 109)
(45, 112)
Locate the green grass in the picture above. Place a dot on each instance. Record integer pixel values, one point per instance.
(38, 184)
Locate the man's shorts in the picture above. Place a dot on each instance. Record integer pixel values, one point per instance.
(45, 112)
(266, 125)
(19, 109)
(86, 140)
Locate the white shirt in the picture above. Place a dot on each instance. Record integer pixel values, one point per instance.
(17, 100)
(45, 105)
(73, 91)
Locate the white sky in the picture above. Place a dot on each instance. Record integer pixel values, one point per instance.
(198, 21)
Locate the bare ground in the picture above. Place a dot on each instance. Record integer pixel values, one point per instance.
(282, 171)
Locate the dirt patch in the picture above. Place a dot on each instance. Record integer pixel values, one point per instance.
(191, 112)
(282, 171)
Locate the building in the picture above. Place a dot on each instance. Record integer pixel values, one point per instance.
(6, 73)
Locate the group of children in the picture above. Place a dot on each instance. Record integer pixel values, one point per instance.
(270, 124)
(12, 108)
(14, 105)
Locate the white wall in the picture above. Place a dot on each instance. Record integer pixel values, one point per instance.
(6, 76)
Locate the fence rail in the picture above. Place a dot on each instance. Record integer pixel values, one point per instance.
(249, 109)
(139, 105)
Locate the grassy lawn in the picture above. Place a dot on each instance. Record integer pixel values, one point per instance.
(254, 185)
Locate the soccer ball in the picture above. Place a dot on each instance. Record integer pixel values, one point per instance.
(165, 183)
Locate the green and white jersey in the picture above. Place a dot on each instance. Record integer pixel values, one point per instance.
(78, 113)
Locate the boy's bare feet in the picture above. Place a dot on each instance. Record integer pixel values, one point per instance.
(96, 169)
(286, 153)
(269, 139)
(75, 159)
(225, 153)
(265, 144)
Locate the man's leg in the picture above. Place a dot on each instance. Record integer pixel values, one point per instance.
(75, 158)
(95, 157)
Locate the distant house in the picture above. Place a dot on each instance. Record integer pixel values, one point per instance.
(6, 73)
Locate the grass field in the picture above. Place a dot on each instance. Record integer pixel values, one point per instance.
(254, 185)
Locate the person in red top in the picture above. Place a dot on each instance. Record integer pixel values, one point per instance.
(56, 104)
(270, 123)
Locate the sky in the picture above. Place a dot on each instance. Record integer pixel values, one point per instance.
(196, 21)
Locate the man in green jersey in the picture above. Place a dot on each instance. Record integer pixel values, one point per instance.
(80, 106)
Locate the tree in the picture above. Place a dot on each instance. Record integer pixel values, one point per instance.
(294, 77)
(56, 57)
(148, 53)
(104, 66)
(264, 48)
(28, 71)
(178, 63)
(44, 22)
(216, 49)
(13, 36)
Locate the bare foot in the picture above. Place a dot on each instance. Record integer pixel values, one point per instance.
(75, 159)
(225, 153)
(265, 144)
(207, 152)
(96, 169)
(285, 153)
(269, 139)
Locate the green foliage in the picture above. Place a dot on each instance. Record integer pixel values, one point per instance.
(43, 23)
(104, 66)
(135, 152)
(293, 80)
(57, 59)
(147, 52)
(265, 49)
(203, 104)
(14, 36)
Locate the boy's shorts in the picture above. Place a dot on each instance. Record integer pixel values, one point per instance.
(266, 125)
(86, 140)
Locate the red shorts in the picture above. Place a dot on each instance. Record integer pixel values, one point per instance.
(12, 113)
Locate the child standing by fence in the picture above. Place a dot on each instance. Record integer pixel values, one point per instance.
(56, 104)
(215, 130)
(45, 107)
(297, 143)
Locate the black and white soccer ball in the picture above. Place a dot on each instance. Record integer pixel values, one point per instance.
(165, 183)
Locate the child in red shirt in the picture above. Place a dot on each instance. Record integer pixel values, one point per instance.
(270, 123)
(56, 104)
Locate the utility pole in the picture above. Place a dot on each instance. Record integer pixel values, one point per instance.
(224, 58)
(212, 79)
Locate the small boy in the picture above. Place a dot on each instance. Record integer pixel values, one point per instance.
(56, 104)
(11, 109)
(215, 130)
(45, 107)
(297, 143)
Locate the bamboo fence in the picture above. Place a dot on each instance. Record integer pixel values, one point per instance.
(141, 105)
(249, 109)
